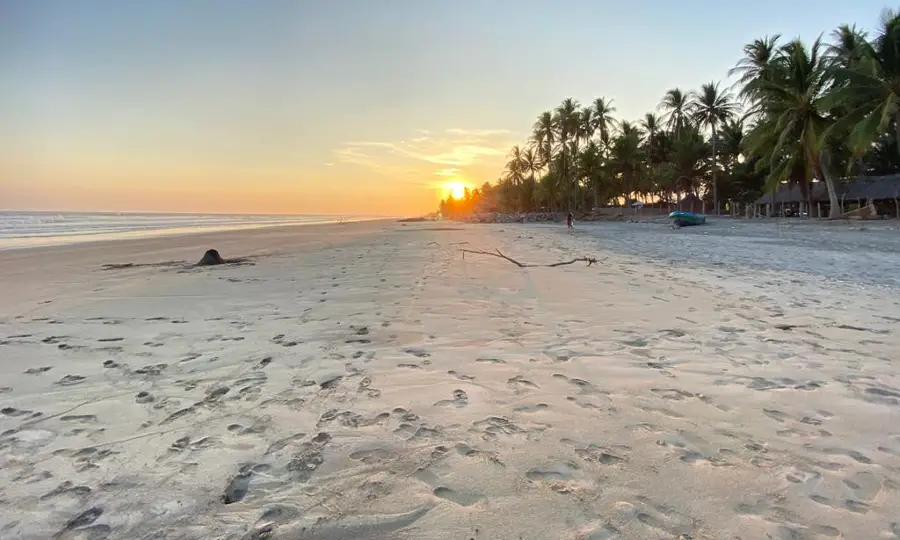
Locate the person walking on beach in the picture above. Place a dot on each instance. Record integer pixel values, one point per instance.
(569, 220)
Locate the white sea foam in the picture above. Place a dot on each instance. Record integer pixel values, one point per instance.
(29, 229)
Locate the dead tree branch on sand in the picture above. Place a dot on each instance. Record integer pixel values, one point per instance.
(496, 253)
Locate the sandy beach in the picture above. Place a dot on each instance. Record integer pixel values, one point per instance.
(366, 381)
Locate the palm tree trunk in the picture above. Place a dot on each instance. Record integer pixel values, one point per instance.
(834, 210)
(715, 179)
(897, 128)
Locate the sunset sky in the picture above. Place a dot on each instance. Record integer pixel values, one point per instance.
(332, 106)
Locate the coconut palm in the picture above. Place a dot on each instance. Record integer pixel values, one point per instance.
(872, 87)
(802, 105)
(627, 158)
(590, 168)
(755, 67)
(602, 110)
(544, 136)
(790, 137)
(567, 122)
(689, 162)
(711, 108)
(531, 166)
(676, 107)
(515, 166)
(850, 45)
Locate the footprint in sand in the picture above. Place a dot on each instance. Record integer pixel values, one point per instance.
(309, 457)
(16, 413)
(460, 376)
(374, 455)
(152, 370)
(865, 485)
(82, 522)
(276, 446)
(67, 488)
(553, 472)
(71, 380)
(493, 426)
(857, 507)
(520, 383)
(469, 452)
(238, 486)
(673, 394)
(79, 418)
(331, 382)
(531, 408)
(460, 399)
(457, 497)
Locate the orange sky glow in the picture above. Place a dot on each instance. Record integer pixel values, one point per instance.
(404, 177)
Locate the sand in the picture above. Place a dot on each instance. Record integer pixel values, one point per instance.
(364, 381)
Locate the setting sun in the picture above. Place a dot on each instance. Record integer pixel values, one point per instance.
(456, 190)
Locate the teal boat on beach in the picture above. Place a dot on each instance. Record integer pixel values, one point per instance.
(686, 219)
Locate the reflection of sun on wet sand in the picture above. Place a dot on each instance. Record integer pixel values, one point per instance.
(354, 382)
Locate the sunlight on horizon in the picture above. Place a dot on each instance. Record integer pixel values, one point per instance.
(321, 107)
(456, 190)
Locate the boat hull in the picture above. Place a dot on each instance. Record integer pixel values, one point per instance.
(686, 219)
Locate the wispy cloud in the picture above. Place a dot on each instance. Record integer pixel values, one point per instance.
(447, 154)
(484, 133)
(448, 173)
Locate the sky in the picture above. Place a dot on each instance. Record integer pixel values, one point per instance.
(333, 106)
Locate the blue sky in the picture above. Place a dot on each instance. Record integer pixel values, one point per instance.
(332, 106)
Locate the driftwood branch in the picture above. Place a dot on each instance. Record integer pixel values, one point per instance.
(498, 254)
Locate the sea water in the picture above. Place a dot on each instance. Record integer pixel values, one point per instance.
(31, 229)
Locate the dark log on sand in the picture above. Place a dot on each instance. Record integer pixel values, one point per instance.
(211, 257)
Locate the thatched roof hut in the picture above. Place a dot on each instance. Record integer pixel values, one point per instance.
(863, 188)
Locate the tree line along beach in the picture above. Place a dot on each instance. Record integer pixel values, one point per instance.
(810, 124)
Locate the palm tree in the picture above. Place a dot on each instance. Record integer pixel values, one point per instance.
(710, 108)
(650, 125)
(532, 166)
(626, 157)
(849, 47)
(689, 161)
(872, 87)
(567, 121)
(515, 167)
(544, 135)
(808, 110)
(790, 138)
(602, 116)
(676, 106)
(755, 67)
(590, 166)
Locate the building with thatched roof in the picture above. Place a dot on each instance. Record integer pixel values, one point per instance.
(881, 191)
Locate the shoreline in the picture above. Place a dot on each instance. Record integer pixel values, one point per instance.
(31, 267)
(28, 242)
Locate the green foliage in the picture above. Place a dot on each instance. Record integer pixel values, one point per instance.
(799, 113)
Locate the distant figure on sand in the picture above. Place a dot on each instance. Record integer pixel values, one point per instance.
(569, 220)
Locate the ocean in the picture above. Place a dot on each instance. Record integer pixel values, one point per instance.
(32, 229)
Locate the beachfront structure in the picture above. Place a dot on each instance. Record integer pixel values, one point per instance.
(881, 191)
